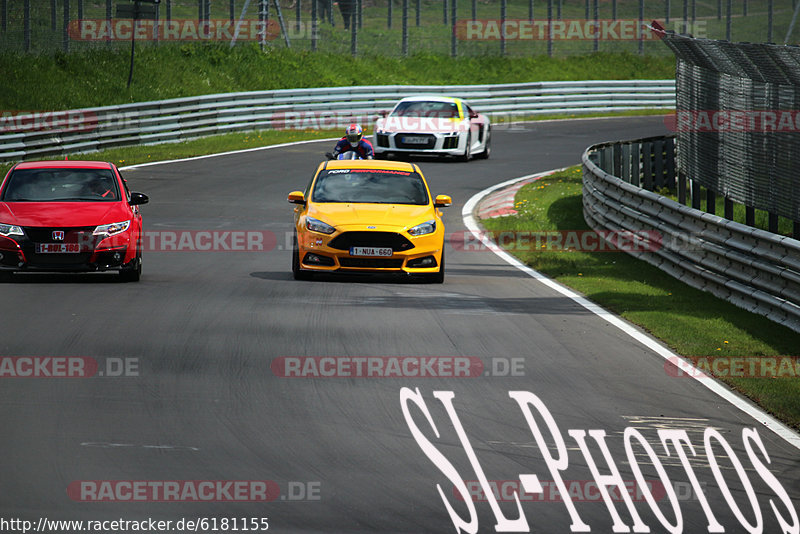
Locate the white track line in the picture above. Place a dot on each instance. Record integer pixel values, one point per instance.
(743, 404)
(232, 152)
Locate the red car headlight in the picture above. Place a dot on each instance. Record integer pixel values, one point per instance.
(10, 229)
(111, 229)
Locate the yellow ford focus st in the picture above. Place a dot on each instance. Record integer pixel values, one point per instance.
(368, 216)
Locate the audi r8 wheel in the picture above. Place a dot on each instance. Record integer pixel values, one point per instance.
(297, 272)
(487, 147)
(467, 149)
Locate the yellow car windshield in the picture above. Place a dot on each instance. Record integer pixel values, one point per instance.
(373, 186)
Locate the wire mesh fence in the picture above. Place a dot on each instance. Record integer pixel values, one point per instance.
(738, 124)
(392, 27)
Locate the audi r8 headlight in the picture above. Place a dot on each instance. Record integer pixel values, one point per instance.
(10, 229)
(112, 229)
(315, 225)
(427, 227)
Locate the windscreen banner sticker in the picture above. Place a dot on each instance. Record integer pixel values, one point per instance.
(371, 171)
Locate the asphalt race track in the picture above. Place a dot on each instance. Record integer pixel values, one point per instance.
(202, 402)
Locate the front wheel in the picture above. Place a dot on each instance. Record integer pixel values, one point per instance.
(132, 272)
(437, 277)
(467, 150)
(487, 149)
(297, 272)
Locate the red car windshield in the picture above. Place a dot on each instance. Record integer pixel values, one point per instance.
(61, 185)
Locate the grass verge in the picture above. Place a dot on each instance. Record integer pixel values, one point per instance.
(691, 322)
(98, 76)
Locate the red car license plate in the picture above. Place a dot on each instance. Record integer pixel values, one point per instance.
(370, 251)
(57, 248)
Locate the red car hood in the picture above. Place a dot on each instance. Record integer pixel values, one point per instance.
(65, 214)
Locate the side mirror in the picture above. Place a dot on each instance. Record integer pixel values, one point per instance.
(383, 113)
(297, 197)
(138, 198)
(442, 201)
(473, 115)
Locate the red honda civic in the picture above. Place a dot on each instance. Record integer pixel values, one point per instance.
(73, 216)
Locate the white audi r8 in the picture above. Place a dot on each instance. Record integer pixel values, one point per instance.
(433, 125)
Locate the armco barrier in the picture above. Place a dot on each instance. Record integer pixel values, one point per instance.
(184, 118)
(751, 268)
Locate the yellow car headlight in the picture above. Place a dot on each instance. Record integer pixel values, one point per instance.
(315, 225)
(428, 227)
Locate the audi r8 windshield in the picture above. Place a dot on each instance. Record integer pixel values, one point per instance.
(374, 186)
(416, 108)
(61, 185)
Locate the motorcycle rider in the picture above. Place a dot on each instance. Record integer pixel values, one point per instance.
(353, 140)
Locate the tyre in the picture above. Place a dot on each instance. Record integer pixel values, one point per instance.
(297, 272)
(467, 150)
(488, 147)
(437, 277)
(133, 271)
(6, 277)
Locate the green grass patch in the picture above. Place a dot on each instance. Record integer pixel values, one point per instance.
(98, 76)
(691, 322)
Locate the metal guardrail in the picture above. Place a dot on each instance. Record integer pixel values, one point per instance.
(184, 118)
(752, 268)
